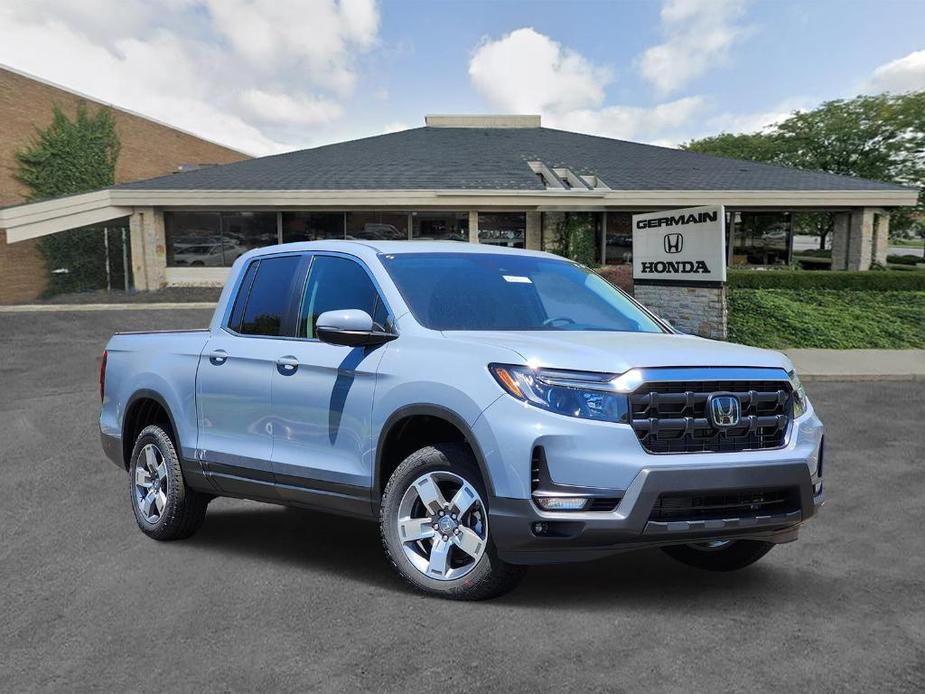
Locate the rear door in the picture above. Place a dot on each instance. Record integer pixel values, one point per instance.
(233, 381)
(322, 394)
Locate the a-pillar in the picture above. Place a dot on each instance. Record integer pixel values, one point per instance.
(149, 249)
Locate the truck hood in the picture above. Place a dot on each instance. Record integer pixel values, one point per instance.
(614, 352)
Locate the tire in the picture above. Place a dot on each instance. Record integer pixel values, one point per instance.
(475, 573)
(736, 555)
(179, 511)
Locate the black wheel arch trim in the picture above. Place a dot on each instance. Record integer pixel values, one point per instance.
(147, 394)
(432, 411)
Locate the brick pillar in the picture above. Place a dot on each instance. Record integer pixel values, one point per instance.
(881, 238)
(534, 232)
(860, 239)
(149, 249)
(840, 240)
(473, 226)
(694, 310)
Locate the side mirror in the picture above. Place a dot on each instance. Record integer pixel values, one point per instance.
(350, 327)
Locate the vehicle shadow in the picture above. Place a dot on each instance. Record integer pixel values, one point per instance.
(351, 549)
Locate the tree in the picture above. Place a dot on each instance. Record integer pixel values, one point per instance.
(69, 157)
(876, 137)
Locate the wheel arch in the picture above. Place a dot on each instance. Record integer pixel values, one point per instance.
(399, 419)
(143, 408)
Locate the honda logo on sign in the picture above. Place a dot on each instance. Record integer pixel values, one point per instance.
(673, 243)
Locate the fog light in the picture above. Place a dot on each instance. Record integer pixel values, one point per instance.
(561, 503)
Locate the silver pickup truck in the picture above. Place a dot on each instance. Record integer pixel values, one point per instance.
(489, 408)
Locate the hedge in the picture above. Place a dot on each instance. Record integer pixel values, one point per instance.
(881, 281)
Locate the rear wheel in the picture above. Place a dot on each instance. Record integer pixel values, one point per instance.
(165, 508)
(719, 555)
(434, 525)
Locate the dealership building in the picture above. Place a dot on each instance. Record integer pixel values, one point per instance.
(501, 180)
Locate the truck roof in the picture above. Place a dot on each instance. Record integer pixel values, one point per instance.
(372, 247)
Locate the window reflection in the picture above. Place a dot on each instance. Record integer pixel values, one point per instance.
(440, 226)
(761, 238)
(377, 226)
(215, 239)
(503, 229)
(312, 226)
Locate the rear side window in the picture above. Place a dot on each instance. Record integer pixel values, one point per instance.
(334, 284)
(267, 295)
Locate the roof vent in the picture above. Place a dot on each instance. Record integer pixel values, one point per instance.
(562, 178)
(481, 121)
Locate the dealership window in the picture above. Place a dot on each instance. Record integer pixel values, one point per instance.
(312, 226)
(440, 226)
(215, 239)
(503, 228)
(377, 226)
(761, 238)
(618, 247)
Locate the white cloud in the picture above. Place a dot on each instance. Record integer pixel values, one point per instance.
(528, 72)
(699, 34)
(760, 120)
(905, 74)
(631, 122)
(234, 71)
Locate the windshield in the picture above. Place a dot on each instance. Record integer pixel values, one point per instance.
(488, 291)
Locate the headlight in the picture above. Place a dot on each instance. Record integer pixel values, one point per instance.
(573, 393)
(800, 402)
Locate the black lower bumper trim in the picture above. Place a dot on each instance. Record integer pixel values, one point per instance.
(525, 535)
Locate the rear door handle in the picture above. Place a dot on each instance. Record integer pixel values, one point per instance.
(287, 365)
(218, 357)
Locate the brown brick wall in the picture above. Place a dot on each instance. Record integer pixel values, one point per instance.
(148, 149)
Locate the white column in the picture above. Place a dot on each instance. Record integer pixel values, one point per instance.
(473, 226)
(533, 235)
(149, 248)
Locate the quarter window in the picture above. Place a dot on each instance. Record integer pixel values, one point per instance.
(267, 301)
(336, 283)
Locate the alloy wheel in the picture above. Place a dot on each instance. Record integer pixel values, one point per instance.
(442, 539)
(151, 483)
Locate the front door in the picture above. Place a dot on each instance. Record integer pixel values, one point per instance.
(233, 381)
(322, 394)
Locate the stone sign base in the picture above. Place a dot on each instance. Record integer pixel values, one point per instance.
(695, 310)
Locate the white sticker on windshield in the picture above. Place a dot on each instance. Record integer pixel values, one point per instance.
(517, 279)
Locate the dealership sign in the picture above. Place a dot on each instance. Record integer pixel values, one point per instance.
(686, 245)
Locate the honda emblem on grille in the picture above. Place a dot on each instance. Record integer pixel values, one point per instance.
(673, 243)
(724, 410)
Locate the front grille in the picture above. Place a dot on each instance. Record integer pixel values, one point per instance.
(671, 417)
(690, 506)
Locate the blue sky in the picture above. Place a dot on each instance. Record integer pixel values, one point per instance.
(272, 75)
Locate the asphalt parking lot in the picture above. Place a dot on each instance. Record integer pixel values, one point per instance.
(266, 598)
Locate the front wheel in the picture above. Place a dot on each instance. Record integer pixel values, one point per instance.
(434, 525)
(719, 555)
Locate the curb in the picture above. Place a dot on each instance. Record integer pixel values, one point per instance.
(77, 308)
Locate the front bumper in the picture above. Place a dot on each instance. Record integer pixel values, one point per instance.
(589, 535)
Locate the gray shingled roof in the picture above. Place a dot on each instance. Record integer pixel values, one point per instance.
(493, 158)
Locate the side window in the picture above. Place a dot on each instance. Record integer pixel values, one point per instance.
(237, 313)
(336, 283)
(269, 297)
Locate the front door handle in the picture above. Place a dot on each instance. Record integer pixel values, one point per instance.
(218, 357)
(287, 365)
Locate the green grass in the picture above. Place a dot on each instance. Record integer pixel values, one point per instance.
(826, 318)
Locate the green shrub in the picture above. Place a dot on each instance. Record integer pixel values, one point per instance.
(827, 318)
(905, 259)
(795, 279)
